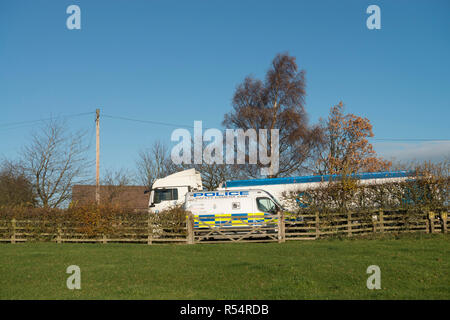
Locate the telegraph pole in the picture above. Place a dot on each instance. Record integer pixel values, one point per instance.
(97, 159)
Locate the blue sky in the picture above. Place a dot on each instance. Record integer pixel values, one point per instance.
(180, 61)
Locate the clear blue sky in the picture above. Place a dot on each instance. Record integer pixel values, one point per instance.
(180, 61)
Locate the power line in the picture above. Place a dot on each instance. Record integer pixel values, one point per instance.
(91, 135)
(189, 126)
(30, 122)
(18, 127)
(147, 121)
(22, 124)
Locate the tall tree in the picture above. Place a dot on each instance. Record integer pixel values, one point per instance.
(54, 160)
(346, 148)
(276, 103)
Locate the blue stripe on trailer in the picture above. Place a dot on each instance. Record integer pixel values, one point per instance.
(309, 179)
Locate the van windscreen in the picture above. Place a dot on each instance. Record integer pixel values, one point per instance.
(266, 205)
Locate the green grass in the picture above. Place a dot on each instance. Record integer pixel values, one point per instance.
(412, 267)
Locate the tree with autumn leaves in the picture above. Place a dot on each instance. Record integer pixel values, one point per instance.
(344, 147)
(338, 145)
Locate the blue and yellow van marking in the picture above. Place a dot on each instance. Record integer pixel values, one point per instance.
(232, 219)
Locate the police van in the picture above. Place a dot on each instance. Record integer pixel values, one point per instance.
(232, 208)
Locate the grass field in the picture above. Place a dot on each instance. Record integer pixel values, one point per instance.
(412, 267)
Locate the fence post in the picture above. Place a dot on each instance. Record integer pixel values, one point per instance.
(104, 239)
(317, 225)
(374, 223)
(190, 229)
(13, 236)
(149, 230)
(431, 219)
(381, 221)
(281, 234)
(444, 222)
(58, 236)
(349, 224)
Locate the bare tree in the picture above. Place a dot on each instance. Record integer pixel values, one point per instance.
(15, 188)
(154, 163)
(54, 160)
(276, 103)
(114, 183)
(214, 174)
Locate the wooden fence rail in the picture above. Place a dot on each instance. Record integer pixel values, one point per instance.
(273, 228)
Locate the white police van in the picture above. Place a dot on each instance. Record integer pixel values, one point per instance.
(223, 208)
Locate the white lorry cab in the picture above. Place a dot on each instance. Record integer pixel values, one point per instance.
(171, 190)
(231, 208)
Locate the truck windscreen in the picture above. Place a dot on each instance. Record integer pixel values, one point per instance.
(165, 195)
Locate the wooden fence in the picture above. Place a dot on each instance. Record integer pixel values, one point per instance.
(143, 230)
(358, 224)
(274, 228)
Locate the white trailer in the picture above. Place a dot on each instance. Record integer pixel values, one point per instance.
(171, 190)
(279, 187)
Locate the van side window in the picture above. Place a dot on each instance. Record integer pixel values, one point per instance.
(266, 205)
(165, 195)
